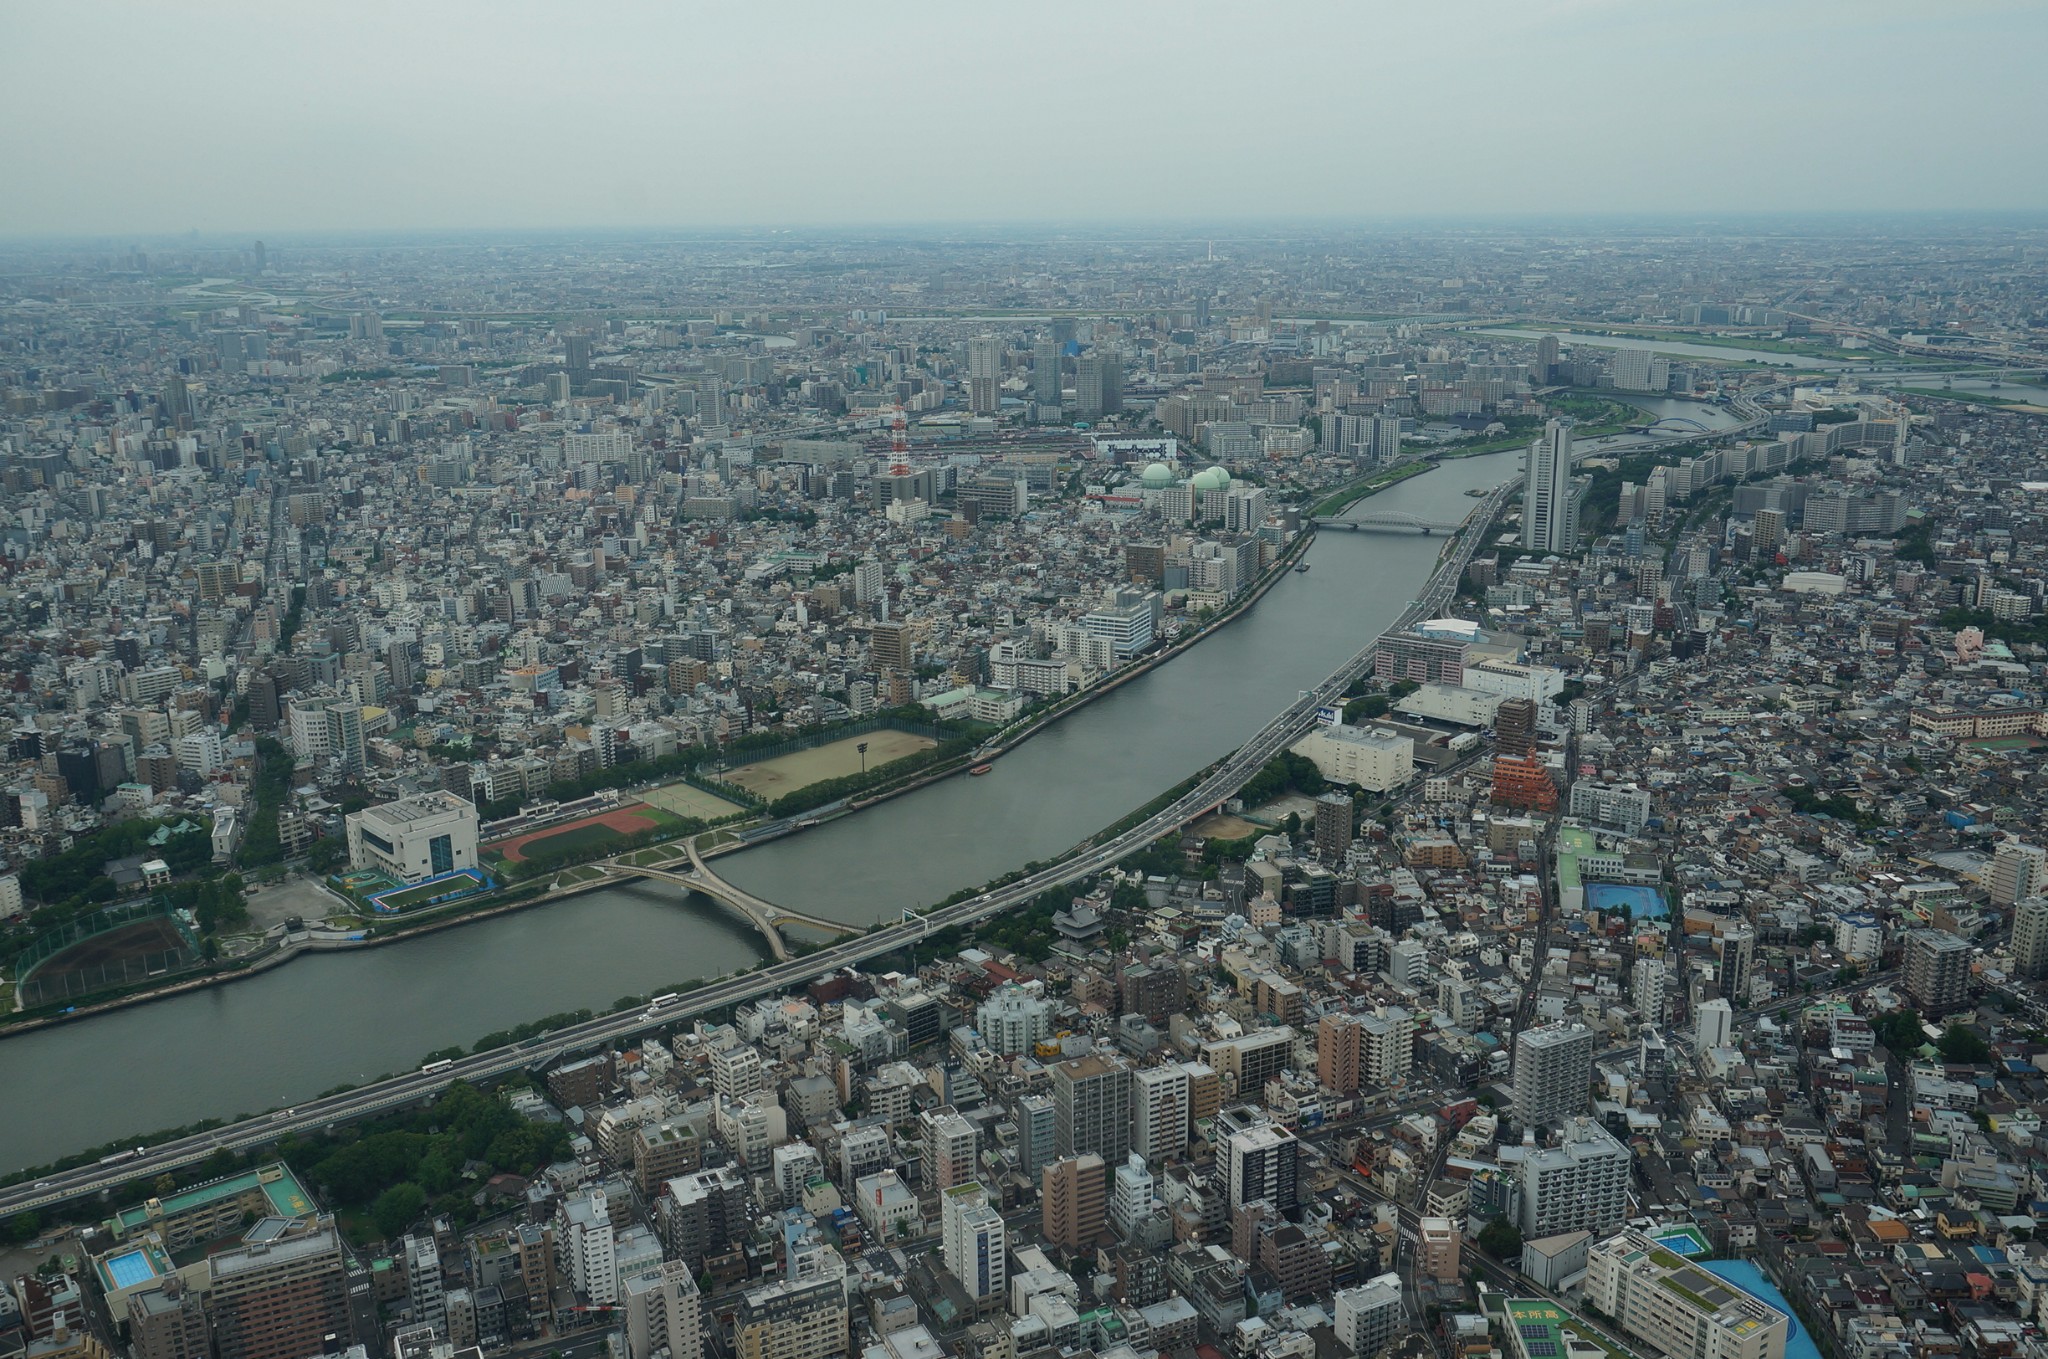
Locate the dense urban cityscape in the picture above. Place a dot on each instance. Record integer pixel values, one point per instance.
(695, 683)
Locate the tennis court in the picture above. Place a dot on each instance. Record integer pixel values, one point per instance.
(685, 799)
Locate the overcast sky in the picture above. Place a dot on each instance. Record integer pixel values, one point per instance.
(279, 117)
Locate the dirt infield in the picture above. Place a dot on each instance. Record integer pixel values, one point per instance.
(787, 773)
(688, 800)
(631, 819)
(1223, 828)
(153, 936)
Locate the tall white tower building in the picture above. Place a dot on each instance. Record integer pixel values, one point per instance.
(1550, 513)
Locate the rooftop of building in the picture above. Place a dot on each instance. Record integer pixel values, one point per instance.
(288, 1198)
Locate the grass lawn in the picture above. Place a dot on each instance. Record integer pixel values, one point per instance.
(426, 891)
(1345, 497)
(1978, 398)
(593, 836)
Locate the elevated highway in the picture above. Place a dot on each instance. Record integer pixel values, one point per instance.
(1221, 783)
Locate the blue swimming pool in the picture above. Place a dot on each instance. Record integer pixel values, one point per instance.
(1751, 1280)
(130, 1269)
(1644, 903)
(1684, 1241)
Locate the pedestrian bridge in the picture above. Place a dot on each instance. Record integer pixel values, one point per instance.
(764, 916)
(1385, 521)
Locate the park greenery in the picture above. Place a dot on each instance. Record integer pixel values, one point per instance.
(1916, 544)
(1809, 801)
(1026, 931)
(2011, 631)
(261, 846)
(1349, 494)
(1285, 773)
(1365, 709)
(393, 1170)
(75, 880)
(1500, 1239)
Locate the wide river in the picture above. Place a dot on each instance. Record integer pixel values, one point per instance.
(327, 1019)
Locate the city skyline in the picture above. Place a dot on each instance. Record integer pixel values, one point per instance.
(470, 118)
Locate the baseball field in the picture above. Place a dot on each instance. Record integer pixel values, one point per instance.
(771, 779)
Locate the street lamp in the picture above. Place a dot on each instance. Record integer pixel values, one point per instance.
(862, 747)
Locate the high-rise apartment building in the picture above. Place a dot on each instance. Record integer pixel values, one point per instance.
(1334, 817)
(1713, 1025)
(1737, 946)
(1099, 385)
(2030, 936)
(1767, 531)
(1553, 1073)
(1073, 1201)
(1514, 727)
(1386, 440)
(1045, 372)
(1091, 1098)
(736, 1069)
(1339, 1042)
(1261, 1162)
(424, 1291)
(1367, 1317)
(2017, 870)
(1550, 514)
(1036, 1124)
(1937, 971)
(168, 1321)
(1159, 1108)
(1648, 990)
(1014, 1019)
(791, 1319)
(586, 1246)
(950, 1144)
(890, 646)
(282, 1298)
(664, 1311)
(984, 375)
(973, 1240)
(1578, 1184)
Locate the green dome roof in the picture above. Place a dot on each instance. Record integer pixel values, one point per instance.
(1211, 479)
(1156, 477)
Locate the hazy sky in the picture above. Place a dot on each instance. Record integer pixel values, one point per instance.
(279, 117)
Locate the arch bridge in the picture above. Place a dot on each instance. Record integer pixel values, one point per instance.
(764, 916)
